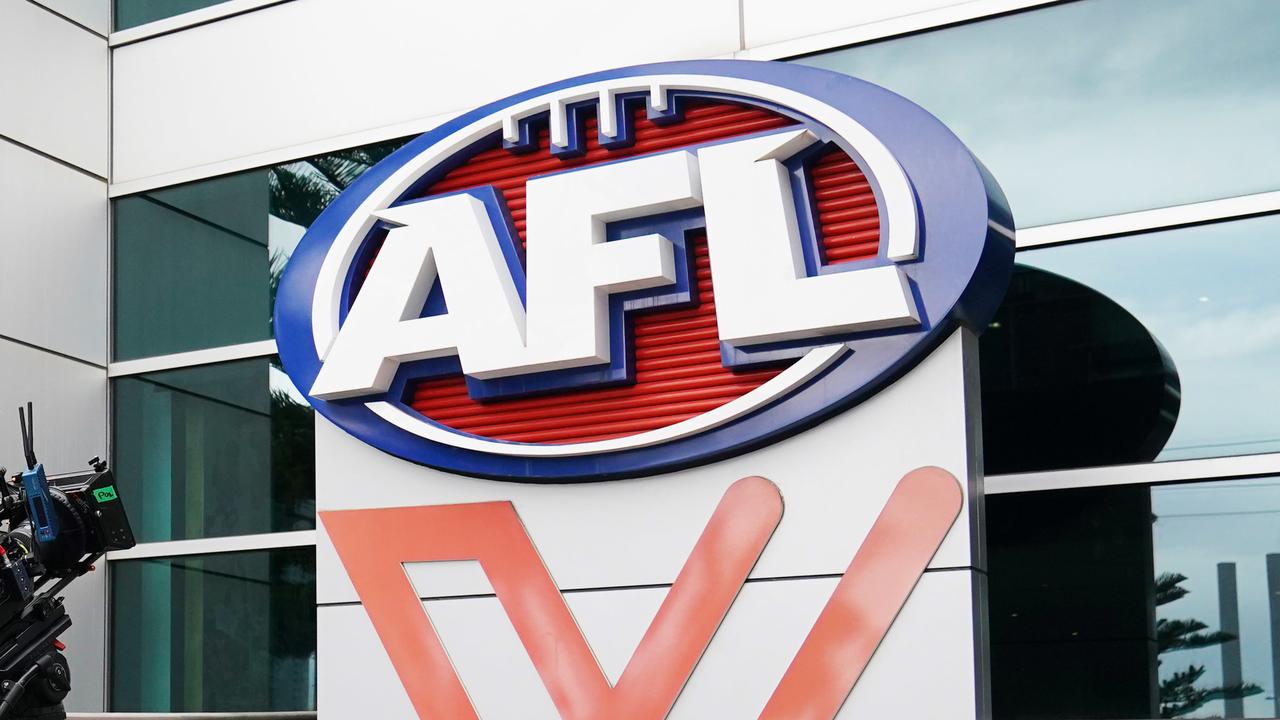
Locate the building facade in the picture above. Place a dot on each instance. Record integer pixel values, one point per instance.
(162, 161)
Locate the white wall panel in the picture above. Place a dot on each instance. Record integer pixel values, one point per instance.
(53, 253)
(358, 674)
(615, 546)
(87, 641)
(834, 481)
(71, 408)
(53, 85)
(313, 69)
(93, 14)
(922, 669)
(53, 250)
(768, 21)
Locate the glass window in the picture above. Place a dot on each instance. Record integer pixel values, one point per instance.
(1136, 601)
(132, 13)
(191, 267)
(1101, 106)
(213, 450)
(1161, 346)
(214, 633)
(196, 265)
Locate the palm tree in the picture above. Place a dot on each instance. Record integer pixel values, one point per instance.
(1179, 694)
(301, 190)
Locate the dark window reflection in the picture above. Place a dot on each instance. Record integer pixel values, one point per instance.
(1070, 378)
(214, 633)
(1157, 346)
(1136, 601)
(214, 450)
(197, 265)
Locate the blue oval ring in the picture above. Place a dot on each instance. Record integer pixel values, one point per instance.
(965, 259)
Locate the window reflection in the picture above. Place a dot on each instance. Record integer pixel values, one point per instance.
(191, 267)
(1136, 601)
(1217, 561)
(1101, 106)
(1207, 295)
(214, 633)
(301, 190)
(214, 450)
(197, 265)
(1070, 378)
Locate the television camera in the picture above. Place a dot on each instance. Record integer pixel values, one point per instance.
(52, 533)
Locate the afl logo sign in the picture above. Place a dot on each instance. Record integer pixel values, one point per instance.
(639, 270)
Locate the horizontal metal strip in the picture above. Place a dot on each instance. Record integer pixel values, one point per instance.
(1138, 474)
(1149, 220)
(209, 546)
(226, 353)
(296, 715)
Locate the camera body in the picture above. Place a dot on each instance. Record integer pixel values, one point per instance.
(54, 527)
(52, 533)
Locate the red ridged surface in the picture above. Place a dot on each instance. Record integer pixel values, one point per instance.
(677, 352)
(847, 212)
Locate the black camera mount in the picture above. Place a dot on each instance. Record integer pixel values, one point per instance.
(53, 532)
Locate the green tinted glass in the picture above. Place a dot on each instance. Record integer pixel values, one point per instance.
(214, 633)
(192, 267)
(197, 265)
(132, 13)
(214, 450)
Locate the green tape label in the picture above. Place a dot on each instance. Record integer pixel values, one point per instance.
(105, 494)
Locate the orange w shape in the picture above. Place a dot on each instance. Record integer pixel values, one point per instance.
(374, 545)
